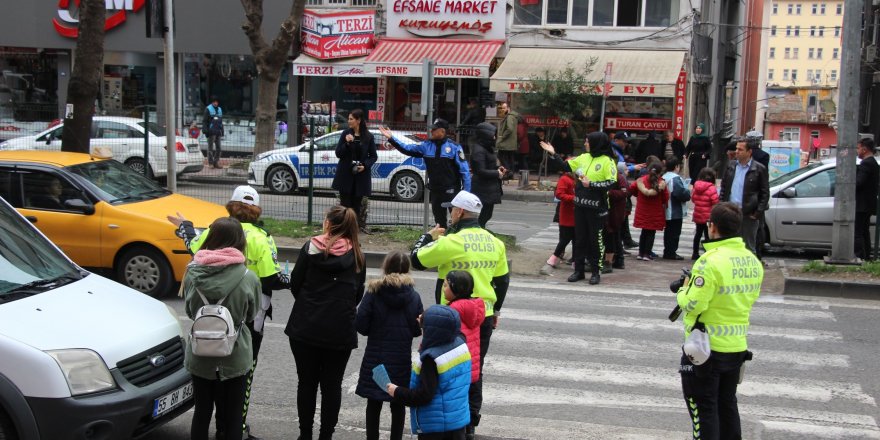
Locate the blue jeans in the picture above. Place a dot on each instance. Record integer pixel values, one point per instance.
(710, 395)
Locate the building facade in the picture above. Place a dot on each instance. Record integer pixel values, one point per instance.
(804, 43)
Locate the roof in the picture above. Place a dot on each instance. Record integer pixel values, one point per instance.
(57, 158)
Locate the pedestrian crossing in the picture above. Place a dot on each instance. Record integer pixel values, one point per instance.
(571, 361)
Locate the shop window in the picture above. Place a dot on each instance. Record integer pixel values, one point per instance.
(28, 89)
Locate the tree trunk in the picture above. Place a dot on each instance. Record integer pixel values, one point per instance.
(85, 80)
(270, 59)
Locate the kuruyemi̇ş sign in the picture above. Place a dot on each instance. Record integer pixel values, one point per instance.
(442, 18)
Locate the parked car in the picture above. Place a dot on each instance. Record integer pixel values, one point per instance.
(125, 137)
(104, 215)
(801, 213)
(82, 356)
(286, 169)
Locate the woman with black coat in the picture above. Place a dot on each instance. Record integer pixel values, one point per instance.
(327, 284)
(698, 150)
(356, 151)
(486, 183)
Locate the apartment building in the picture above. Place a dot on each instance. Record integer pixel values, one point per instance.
(804, 43)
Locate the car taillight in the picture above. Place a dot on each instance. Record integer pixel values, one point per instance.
(180, 148)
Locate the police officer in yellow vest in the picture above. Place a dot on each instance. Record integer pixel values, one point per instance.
(718, 297)
(468, 247)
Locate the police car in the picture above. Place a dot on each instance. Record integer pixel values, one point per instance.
(284, 170)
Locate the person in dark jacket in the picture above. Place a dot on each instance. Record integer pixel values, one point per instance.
(672, 146)
(448, 171)
(486, 182)
(650, 146)
(867, 180)
(475, 115)
(389, 317)
(212, 126)
(698, 150)
(327, 284)
(356, 151)
(746, 183)
(617, 197)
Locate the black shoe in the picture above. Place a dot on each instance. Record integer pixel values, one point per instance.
(673, 257)
(469, 432)
(577, 276)
(618, 265)
(594, 279)
(607, 269)
(695, 257)
(630, 245)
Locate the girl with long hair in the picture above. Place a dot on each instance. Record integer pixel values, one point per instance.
(327, 284)
(356, 151)
(651, 198)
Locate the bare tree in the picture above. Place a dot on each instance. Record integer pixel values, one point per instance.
(270, 59)
(85, 80)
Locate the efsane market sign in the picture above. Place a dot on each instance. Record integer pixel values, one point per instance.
(338, 34)
(443, 18)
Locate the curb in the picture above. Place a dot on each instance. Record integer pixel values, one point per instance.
(829, 288)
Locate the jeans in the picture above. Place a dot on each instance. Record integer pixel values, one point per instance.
(214, 150)
(226, 394)
(700, 234)
(671, 236)
(710, 395)
(749, 232)
(566, 235)
(863, 235)
(589, 244)
(475, 393)
(318, 366)
(398, 416)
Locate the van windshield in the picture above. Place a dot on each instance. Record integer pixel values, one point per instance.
(29, 264)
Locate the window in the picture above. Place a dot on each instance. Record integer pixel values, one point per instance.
(839, 9)
(114, 130)
(835, 53)
(527, 12)
(810, 53)
(818, 185)
(788, 31)
(818, 77)
(772, 31)
(775, 8)
(812, 31)
(822, 9)
(815, 9)
(629, 13)
(787, 52)
(794, 74)
(557, 12)
(770, 74)
(797, 31)
(819, 53)
(797, 9)
(772, 52)
(603, 12)
(791, 134)
(833, 76)
(794, 53)
(790, 9)
(836, 31)
(809, 74)
(785, 74)
(812, 100)
(48, 191)
(621, 13)
(821, 31)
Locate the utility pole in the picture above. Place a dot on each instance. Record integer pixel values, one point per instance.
(170, 106)
(842, 233)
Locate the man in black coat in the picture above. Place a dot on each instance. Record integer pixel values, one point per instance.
(867, 181)
(673, 147)
(746, 183)
(486, 182)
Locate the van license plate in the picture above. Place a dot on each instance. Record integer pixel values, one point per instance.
(172, 400)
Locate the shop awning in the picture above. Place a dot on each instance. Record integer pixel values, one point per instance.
(453, 58)
(633, 72)
(305, 65)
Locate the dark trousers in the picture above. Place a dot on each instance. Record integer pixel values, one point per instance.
(486, 214)
(613, 243)
(316, 366)
(508, 158)
(439, 197)
(220, 417)
(701, 233)
(589, 245)
(671, 236)
(458, 434)
(214, 150)
(566, 235)
(354, 202)
(475, 393)
(710, 395)
(646, 242)
(749, 232)
(625, 234)
(523, 162)
(398, 416)
(863, 235)
(227, 395)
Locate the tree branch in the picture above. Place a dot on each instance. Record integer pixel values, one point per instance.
(253, 25)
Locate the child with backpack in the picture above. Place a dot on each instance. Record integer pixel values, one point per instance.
(457, 288)
(565, 194)
(705, 196)
(220, 296)
(438, 389)
(388, 316)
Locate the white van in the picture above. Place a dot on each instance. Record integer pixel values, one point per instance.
(80, 356)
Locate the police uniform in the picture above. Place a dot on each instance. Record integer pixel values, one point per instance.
(448, 171)
(475, 250)
(724, 284)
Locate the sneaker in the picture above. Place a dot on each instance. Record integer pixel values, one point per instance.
(640, 258)
(653, 255)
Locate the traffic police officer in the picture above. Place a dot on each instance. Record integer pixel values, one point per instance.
(448, 171)
(718, 296)
(468, 247)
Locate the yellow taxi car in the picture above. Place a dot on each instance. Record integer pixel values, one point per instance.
(104, 215)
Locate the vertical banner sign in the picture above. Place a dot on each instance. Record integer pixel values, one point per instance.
(680, 103)
(380, 99)
(606, 85)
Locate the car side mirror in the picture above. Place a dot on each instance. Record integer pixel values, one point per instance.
(49, 138)
(80, 205)
(789, 193)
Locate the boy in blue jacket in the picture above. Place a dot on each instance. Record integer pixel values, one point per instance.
(439, 401)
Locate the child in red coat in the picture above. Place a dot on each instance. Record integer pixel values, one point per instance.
(565, 194)
(651, 199)
(457, 288)
(704, 196)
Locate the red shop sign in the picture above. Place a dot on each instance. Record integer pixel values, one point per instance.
(338, 34)
(638, 124)
(68, 26)
(680, 104)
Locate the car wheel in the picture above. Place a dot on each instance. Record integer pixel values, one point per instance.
(138, 165)
(145, 269)
(7, 430)
(407, 186)
(281, 180)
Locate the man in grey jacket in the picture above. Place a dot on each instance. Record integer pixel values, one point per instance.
(746, 183)
(507, 143)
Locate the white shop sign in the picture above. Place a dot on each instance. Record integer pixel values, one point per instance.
(442, 18)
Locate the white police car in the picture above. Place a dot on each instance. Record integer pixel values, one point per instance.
(284, 170)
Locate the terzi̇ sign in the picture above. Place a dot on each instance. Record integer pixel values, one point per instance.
(442, 18)
(67, 26)
(337, 34)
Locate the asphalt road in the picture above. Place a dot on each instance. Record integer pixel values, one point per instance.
(581, 362)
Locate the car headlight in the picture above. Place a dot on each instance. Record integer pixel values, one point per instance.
(262, 156)
(84, 370)
(4, 145)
